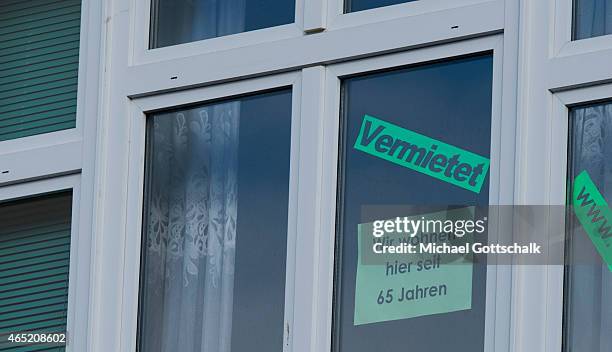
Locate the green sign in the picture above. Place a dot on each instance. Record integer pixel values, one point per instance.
(594, 215)
(410, 285)
(421, 153)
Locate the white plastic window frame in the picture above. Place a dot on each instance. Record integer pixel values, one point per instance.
(554, 73)
(61, 152)
(564, 24)
(339, 19)
(563, 102)
(131, 247)
(547, 282)
(316, 95)
(80, 247)
(129, 82)
(279, 49)
(315, 260)
(538, 289)
(589, 57)
(142, 27)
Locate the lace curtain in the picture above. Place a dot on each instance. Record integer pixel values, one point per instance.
(592, 18)
(590, 298)
(191, 231)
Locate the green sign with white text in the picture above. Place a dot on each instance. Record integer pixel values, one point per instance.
(594, 215)
(421, 153)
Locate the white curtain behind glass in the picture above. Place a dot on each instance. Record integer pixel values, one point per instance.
(191, 232)
(590, 296)
(193, 20)
(215, 18)
(592, 18)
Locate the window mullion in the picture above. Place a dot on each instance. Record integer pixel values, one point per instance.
(309, 200)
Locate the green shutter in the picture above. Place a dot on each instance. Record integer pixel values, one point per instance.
(34, 261)
(39, 59)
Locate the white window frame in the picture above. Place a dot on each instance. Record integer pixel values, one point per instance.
(565, 63)
(339, 19)
(563, 43)
(80, 246)
(550, 279)
(142, 23)
(316, 94)
(65, 159)
(563, 102)
(318, 335)
(131, 247)
(61, 152)
(312, 17)
(556, 73)
(185, 66)
(137, 81)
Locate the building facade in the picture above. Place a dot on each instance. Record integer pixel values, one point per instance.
(184, 175)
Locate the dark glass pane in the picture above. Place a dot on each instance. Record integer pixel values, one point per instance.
(592, 18)
(182, 21)
(35, 237)
(360, 5)
(39, 66)
(588, 284)
(449, 101)
(215, 230)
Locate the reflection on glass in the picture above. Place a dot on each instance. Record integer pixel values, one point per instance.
(592, 18)
(215, 229)
(182, 21)
(449, 101)
(360, 5)
(588, 288)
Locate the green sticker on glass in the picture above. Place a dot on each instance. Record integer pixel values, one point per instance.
(410, 285)
(421, 153)
(594, 215)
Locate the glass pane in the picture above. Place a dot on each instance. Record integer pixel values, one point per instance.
(215, 234)
(182, 21)
(449, 101)
(360, 5)
(34, 267)
(39, 66)
(588, 287)
(592, 18)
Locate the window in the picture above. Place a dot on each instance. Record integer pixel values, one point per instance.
(39, 60)
(450, 101)
(588, 281)
(592, 18)
(34, 262)
(360, 5)
(215, 235)
(182, 21)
